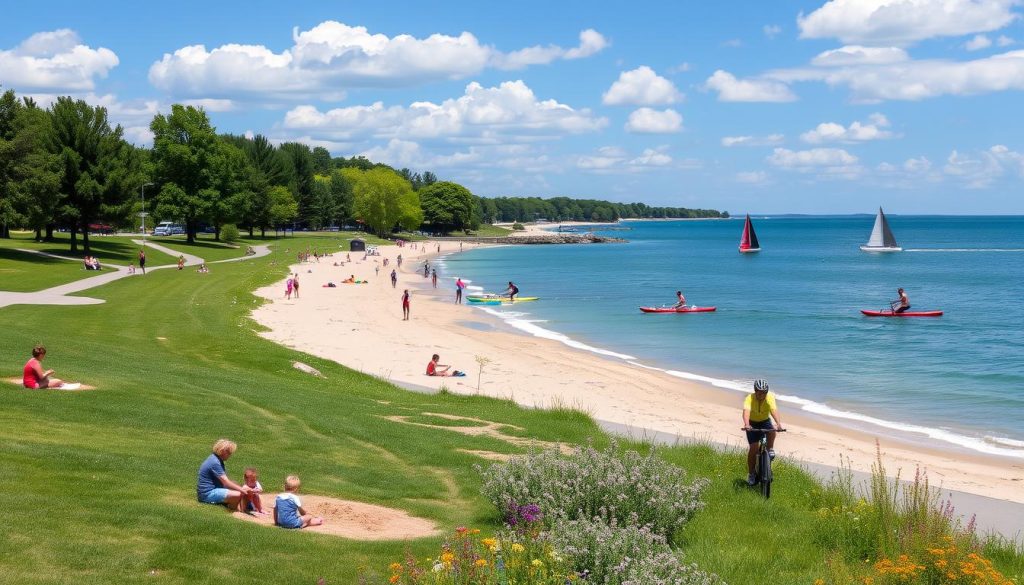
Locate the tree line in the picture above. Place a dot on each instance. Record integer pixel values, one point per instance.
(67, 167)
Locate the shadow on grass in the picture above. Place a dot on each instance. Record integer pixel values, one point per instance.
(19, 256)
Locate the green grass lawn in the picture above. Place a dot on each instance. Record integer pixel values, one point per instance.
(113, 249)
(100, 485)
(26, 272)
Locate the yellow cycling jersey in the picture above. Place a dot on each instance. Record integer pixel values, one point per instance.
(760, 410)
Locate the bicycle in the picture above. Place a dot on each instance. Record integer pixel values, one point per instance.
(763, 466)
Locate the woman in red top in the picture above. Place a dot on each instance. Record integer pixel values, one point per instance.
(34, 376)
(405, 305)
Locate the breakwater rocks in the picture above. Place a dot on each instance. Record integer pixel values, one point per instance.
(558, 239)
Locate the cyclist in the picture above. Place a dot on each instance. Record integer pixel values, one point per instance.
(758, 410)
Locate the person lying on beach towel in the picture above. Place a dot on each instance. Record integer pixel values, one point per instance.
(436, 369)
(350, 280)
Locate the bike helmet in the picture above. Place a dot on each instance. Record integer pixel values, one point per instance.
(760, 385)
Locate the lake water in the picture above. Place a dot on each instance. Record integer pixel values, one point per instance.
(791, 314)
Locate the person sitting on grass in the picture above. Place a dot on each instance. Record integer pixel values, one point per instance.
(202, 268)
(252, 481)
(181, 262)
(288, 510)
(214, 486)
(33, 375)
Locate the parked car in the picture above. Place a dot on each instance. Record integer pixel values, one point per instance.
(101, 228)
(168, 228)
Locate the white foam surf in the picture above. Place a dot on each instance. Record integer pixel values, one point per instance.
(515, 319)
(989, 445)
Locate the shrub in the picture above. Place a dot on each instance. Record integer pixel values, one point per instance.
(524, 556)
(229, 233)
(629, 555)
(518, 226)
(626, 489)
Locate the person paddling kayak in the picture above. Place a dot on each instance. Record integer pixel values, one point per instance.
(682, 300)
(902, 304)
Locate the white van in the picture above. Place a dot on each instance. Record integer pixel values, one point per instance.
(168, 228)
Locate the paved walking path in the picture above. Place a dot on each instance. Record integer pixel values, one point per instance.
(58, 295)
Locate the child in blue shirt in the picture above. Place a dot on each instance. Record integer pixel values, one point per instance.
(288, 510)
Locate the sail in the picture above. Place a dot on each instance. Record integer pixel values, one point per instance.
(749, 239)
(881, 234)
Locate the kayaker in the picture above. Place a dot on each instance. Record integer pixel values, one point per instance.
(902, 304)
(682, 300)
(512, 291)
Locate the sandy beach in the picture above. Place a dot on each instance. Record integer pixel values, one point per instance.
(361, 326)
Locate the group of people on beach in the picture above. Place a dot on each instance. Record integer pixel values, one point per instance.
(213, 486)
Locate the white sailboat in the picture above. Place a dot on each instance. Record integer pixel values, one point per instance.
(881, 239)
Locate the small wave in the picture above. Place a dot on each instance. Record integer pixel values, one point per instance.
(1006, 442)
(964, 250)
(988, 445)
(473, 287)
(531, 327)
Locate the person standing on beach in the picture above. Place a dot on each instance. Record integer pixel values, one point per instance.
(433, 277)
(405, 305)
(142, 260)
(459, 285)
(295, 284)
(394, 278)
(399, 260)
(758, 411)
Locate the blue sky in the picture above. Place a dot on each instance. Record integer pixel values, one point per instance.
(762, 107)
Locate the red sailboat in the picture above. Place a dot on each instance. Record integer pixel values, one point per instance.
(749, 243)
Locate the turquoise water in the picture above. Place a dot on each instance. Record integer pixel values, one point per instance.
(791, 314)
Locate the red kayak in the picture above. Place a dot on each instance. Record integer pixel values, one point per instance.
(675, 310)
(903, 314)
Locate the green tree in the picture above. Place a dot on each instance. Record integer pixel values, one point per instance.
(185, 159)
(322, 163)
(283, 208)
(96, 163)
(447, 206)
(383, 200)
(29, 174)
(300, 164)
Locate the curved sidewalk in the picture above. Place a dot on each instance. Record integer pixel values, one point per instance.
(57, 295)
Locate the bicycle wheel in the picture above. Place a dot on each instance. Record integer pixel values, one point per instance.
(765, 474)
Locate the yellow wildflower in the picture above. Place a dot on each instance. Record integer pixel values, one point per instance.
(517, 548)
(481, 562)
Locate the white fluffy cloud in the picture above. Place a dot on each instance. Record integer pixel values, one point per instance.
(731, 89)
(858, 55)
(613, 159)
(917, 80)
(752, 177)
(55, 61)
(824, 162)
(591, 42)
(770, 140)
(902, 22)
(641, 87)
(978, 43)
(874, 129)
(333, 56)
(486, 114)
(981, 170)
(649, 121)
(771, 30)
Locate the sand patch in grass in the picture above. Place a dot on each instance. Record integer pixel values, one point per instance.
(355, 520)
(68, 386)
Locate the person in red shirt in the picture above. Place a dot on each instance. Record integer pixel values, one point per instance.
(436, 369)
(405, 305)
(34, 376)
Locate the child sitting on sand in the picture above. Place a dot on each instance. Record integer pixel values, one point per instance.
(288, 510)
(252, 480)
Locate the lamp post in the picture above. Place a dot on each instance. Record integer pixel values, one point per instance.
(142, 214)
